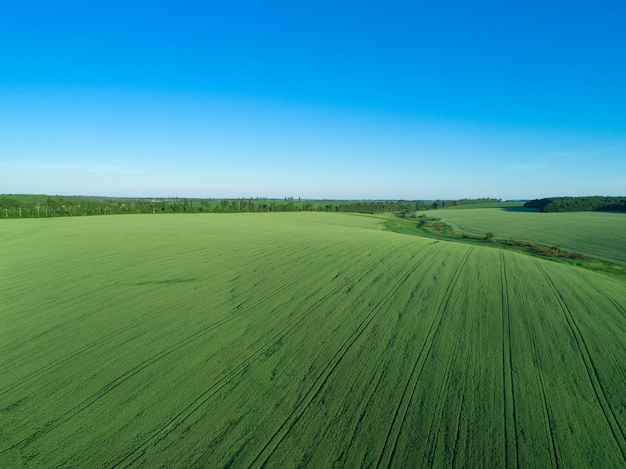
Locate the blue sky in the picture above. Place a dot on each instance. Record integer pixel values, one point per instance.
(412, 100)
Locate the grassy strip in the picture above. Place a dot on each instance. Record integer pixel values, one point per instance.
(432, 227)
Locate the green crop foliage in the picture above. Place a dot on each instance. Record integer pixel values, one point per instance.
(302, 339)
(600, 235)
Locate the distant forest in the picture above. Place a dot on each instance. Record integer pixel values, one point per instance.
(42, 206)
(579, 204)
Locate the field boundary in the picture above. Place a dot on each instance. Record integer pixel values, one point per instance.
(430, 227)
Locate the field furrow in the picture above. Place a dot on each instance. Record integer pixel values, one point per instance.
(399, 416)
(509, 425)
(528, 318)
(443, 404)
(589, 366)
(131, 373)
(548, 420)
(364, 404)
(218, 385)
(267, 451)
(460, 420)
(300, 340)
(619, 307)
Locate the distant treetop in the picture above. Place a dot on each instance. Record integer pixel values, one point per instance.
(579, 204)
(38, 206)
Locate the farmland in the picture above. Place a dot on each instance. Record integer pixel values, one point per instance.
(596, 234)
(301, 339)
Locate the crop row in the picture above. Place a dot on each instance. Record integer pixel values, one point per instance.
(302, 339)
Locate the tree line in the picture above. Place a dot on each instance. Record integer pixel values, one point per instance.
(24, 206)
(579, 204)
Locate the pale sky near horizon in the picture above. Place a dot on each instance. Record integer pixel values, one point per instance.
(357, 100)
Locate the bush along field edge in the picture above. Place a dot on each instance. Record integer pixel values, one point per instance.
(423, 225)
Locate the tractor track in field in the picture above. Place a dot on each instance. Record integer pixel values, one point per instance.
(455, 451)
(66, 323)
(279, 435)
(68, 415)
(141, 321)
(616, 360)
(362, 410)
(341, 461)
(76, 319)
(590, 368)
(440, 406)
(411, 384)
(545, 408)
(618, 306)
(510, 427)
(91, 313)
(363, 406)
(199, 401)
(76, 353)
(34, 374)
(276, 338)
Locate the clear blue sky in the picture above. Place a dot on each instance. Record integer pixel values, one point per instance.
(415, 100)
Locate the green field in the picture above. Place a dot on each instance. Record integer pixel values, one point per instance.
(601, 235)
(300, 340)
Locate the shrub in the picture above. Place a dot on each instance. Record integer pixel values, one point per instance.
(574, 255)
(548, 252)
